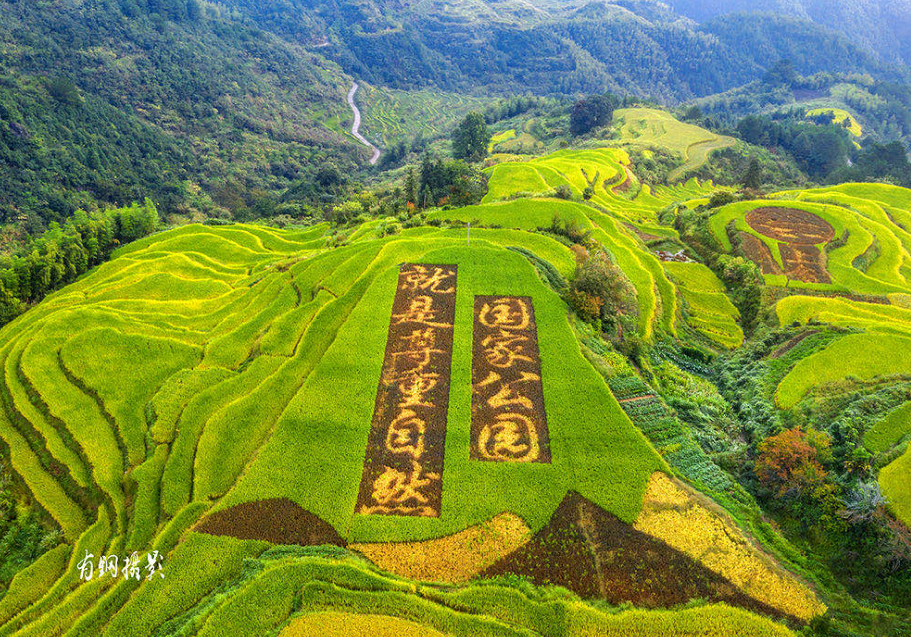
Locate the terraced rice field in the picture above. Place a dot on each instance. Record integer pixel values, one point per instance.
(853, 248)
(520, 196)
(652, 128)
(391, 115)
(710, 310)
(867, 251)
(839, 116)
(211, 394)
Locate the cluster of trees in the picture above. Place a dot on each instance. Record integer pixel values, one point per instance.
(583, 52)
(810, 469)
(441, 182)
(876, 162)
(61, 150)
(65, 251)
(883, 107)
(825, 151)
(592, 112)
(471, 138)
(819, 150)
(198, 105)
(179, 10)
(600, 293)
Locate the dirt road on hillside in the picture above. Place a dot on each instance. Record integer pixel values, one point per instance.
(356, 126)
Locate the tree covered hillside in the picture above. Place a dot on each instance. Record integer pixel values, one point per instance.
(880, 26)
(546, 47)
(103, 100)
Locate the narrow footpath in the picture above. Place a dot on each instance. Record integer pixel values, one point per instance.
(356, 126)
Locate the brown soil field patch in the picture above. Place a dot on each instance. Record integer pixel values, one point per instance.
(759, 253)
(278, 520)
(453, 559)
(624, 186)
(403, 465)
(645, 236)
(596, 555)
(635, 399)
(804, 263)
(693, 528)
(508, 421)
(791, 344)
(790, 225)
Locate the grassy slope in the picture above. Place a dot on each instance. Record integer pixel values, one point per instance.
(647, 127)
(283, 367)
(893, 479)
(710, 310)
(862, 356)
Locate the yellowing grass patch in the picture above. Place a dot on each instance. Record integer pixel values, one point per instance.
(456, 558)
(331, 624)
(671, 514)
(839, 116)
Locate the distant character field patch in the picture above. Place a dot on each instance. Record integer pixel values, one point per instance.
(799, 233)
(508, 421)
(403, 467)
(790, 225)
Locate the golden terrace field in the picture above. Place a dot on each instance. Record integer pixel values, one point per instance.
(355, 432)
(209, 393)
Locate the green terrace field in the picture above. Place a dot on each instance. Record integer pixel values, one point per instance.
(208, 394)
(841, 117)
(392, 115)
(845, 254)
(861, 264)
(620, 214)
(653, 128)
(710, 310)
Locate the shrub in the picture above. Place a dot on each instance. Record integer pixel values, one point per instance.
(600, 283)
(563, 191)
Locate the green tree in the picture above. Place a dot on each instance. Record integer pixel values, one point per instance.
(471, 138)
(592, 112)
(753, 177)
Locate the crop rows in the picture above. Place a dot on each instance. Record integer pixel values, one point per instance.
(206, 368)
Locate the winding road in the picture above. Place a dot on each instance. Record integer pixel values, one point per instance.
(356, 126)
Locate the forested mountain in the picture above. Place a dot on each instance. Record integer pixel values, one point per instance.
(881, 27)
(159, 99)
(217, 109)
(636, 46)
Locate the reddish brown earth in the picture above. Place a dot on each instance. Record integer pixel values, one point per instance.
(798, 233)
(279, 521)
(759, 253)
(645, 236)
(804, 263)
(624, 186)
(596, 555)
